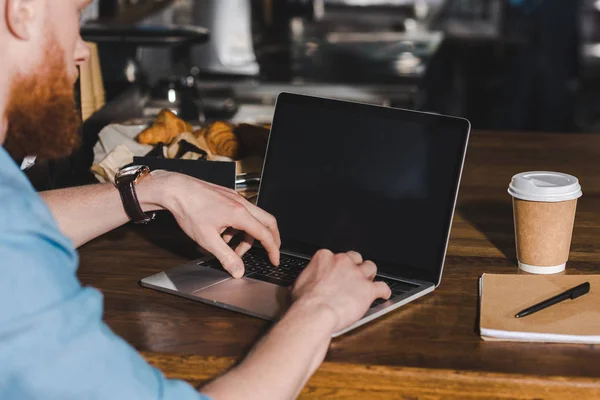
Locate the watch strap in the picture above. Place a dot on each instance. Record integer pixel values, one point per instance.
(131, 202)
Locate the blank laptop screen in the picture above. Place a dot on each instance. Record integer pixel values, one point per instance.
(380, 181)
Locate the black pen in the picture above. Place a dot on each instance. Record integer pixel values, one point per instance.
(572, 293)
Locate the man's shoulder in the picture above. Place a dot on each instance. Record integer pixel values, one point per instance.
(12, 179)
(21, 208)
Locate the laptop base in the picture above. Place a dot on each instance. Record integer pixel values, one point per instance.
(249, 296)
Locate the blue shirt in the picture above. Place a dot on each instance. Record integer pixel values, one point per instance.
(53, 343)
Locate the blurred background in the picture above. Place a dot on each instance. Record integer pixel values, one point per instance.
(526, 65)
(504, 64)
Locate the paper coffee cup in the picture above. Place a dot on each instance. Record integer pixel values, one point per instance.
(544, 205)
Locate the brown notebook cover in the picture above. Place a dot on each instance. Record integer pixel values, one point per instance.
(570, 321)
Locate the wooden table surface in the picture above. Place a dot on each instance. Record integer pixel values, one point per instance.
(429, 348)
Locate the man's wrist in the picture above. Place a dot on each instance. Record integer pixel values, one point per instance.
(152, 191)
(322, 316)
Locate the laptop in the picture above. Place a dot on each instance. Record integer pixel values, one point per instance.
(343, 176)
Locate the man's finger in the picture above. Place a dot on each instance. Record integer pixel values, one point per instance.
(369, 269)
(225, 254)
(264, 217)
(247, 223)
(355, 257)
(229, 234)
(244, 245)
(381, 290)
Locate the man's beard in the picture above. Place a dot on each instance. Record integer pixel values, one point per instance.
(41, 115)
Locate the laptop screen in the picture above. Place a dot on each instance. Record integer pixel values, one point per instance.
(380, 181)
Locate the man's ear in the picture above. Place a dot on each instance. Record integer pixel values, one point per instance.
(20, 17)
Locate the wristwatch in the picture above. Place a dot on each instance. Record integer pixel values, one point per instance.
(125, 181)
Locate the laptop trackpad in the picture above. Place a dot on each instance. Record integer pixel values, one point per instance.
(187, 278)
(260, 299)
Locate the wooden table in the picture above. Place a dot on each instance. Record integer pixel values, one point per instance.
(427, 349)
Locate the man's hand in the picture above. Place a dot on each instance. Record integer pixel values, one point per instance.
(332, 293)
(341, 282)
(212, 215)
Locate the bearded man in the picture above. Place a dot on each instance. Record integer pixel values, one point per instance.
(53, 343)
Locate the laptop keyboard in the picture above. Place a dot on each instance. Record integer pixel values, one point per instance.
(257, 266)
(260, 268)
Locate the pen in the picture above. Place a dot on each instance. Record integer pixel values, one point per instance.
(572, 293)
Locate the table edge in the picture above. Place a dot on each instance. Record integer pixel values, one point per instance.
(337, 380)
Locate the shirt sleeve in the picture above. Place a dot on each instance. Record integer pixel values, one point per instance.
(67, 352)
(53, 342)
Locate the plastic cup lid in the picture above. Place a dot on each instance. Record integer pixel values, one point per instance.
(544, 186)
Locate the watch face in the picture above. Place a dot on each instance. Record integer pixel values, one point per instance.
(133, 170)
(131, 173)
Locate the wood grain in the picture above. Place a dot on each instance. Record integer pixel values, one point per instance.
(349, 381)
(427, 349)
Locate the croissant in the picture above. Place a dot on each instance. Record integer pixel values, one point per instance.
(166, 127)
(221, 140)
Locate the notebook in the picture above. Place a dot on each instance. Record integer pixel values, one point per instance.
(571, 321)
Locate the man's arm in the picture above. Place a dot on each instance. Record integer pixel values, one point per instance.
(333, 292)
(283, 361)
(208, 213)
(86, 212)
